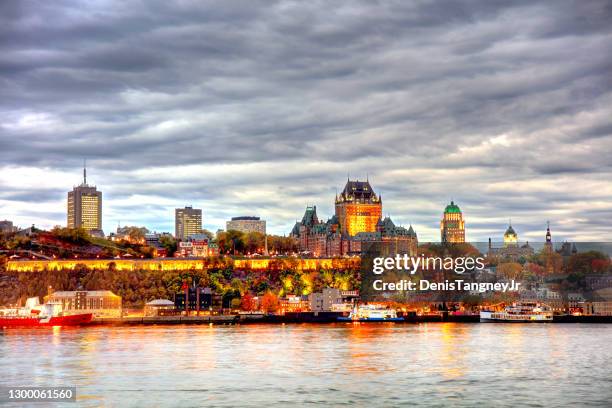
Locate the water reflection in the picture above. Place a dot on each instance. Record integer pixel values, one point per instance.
(368, 364)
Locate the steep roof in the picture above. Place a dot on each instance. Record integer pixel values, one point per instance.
(310, 216)
(358, 190)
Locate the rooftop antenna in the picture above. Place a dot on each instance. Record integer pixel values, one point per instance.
(85, 171)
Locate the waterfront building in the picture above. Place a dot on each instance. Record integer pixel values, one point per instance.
(85, 207)
(159, 307)
(331, 299)
(452, 226)
(358, 208)
(188, 221)
(597, 308)
(294, 303)
(543, 295)
(101, 303)
(246, 225)
(199, 300)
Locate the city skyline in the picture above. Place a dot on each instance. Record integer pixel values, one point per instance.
(503, 108)
(211, 228)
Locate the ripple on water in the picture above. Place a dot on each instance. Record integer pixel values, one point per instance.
(391, 365)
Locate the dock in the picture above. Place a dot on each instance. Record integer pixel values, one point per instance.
(152, 320)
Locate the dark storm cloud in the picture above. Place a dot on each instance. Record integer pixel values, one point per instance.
(262, 107)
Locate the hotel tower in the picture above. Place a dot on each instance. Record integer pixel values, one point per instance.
(452, 226)
(358, 208)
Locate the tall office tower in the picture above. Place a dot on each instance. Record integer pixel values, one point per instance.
(188, 221)
(246, 224)
(452, 226)
(85, 207)
(358, 208)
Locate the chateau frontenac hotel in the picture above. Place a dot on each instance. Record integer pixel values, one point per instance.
(357, 222)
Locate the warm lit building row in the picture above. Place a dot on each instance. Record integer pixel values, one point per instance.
(176, 264)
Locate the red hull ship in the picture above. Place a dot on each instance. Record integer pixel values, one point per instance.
(72, 320)
(36, 315)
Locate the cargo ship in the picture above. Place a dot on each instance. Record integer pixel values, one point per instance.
(371, 313)
(34, 314)
(519, 312)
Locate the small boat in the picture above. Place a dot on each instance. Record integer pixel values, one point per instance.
(34, 314)
(519, 312)
(371, 313)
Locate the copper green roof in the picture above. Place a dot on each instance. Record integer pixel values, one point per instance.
(452, 208)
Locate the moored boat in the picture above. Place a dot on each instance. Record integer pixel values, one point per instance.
(34, 314)
(519, 312)
(371, 313)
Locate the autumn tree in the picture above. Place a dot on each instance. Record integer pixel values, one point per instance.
(169, 243)
(269, 303)
(510, 270)
(247, 302)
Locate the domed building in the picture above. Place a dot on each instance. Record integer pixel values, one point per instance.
(511, 249)
(510, 237)
(452, 226)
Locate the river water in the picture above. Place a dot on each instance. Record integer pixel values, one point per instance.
(433, 364)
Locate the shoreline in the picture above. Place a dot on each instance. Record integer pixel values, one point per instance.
(320, 318)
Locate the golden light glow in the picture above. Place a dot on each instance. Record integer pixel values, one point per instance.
(358, 217)
(166, 264)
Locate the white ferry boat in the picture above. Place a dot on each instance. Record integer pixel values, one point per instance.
(371, 313)
(519, 312)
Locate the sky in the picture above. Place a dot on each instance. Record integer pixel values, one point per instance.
(262, 108)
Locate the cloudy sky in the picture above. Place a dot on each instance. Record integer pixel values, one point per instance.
(246, 108)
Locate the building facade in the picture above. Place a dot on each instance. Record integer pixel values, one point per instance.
(188, 221)
(246, 225)
(101, 303)
(511, 249)
(452, 226)
(196, 245)
(358, 208)
(357, 225)
(6, 226)
(85, 207)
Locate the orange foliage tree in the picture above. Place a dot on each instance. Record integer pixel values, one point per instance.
(269, 302)
(247, 303)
